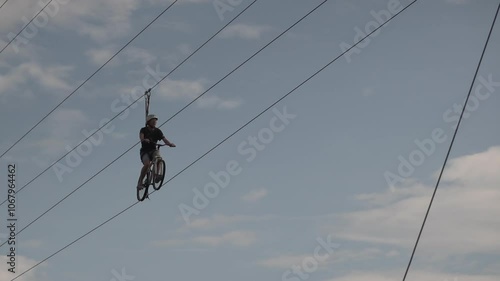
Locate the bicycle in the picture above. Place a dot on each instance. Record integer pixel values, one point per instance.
(151, 176)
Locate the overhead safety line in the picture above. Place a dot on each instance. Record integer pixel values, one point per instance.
(283, 97)
(105, 167)
(147, 100)
(4, 3)
(57, 106)
(449, 149)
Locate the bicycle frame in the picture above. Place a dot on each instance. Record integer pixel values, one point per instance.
(154, 162)
(151, 174)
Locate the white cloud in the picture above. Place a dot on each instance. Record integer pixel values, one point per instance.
(234, 238)
(480, 169)
(169, 243)
(13, 19)
(457, 2)
(198, 1)
(255, 195)
(118, 135)
(10, 81)
(181, 89)
(32, 244)
(100, 56)
(412, 276)
(52, 78)
(176, 26)
(64, 123)
(392, 253)
(185, 49)
(463, 219)
(130, 55)
(244, 31)
(283, 261)
(339, 256)
(64, 129)
(218, 221)
(101, 20)
(143, 56)
(22, 264)
(410, 188)
(188, 90)
(48, 147)
(180, 2)
(356, 255)
(218, 103)
(368, 92)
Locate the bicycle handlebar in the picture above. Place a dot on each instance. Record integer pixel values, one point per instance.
(156, 144)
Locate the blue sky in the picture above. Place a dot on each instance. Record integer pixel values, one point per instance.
(322, 175)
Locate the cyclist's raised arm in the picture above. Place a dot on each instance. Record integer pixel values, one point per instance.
(167, 142)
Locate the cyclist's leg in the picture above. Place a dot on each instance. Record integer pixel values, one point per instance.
(154, 155)
(146, 161)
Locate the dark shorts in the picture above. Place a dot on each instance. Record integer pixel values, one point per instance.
(149, 155)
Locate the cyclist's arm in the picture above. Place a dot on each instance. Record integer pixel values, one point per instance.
(141, 137)
(167, 142)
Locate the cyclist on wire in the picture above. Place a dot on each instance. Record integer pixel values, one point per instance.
(149, 135)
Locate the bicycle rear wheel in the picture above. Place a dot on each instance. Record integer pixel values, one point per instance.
(161, 176)
(142, 194)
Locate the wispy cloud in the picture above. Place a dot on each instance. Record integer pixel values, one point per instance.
(457, 2)
(283, 261)
(213, 101)
(463, 218)
(23, 263)
(34, 244)
(51, 78)
(102, 21)
(420, 275)
(131, 54)
(218, 221)
(234, 238)
(139, 55)
(13, 19)
(255, 195)
(99, 56)
(169, 243)
(287, 261)
(188, 90)
(244, 31)
(64, 129)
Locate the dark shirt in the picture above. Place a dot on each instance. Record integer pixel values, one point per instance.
(154, 135)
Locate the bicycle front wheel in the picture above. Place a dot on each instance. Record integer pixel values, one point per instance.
(161, 176)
